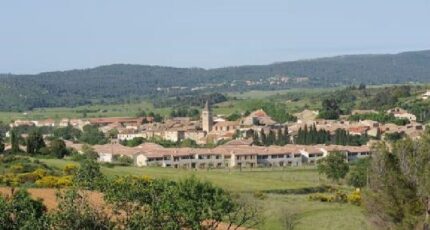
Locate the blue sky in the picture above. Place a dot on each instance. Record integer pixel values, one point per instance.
(47, 35)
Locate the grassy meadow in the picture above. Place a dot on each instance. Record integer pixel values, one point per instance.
(238, 102)
(310, 214)
(89, 111)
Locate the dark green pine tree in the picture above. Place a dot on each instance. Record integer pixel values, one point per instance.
(279, 138)
(2, 146)
(271, 138)
(299, 137)
(263, 137)
(14, 141)
(255, 138)
(286, 136)
(305, 135)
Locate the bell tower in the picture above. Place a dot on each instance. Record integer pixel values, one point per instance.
(207, 118)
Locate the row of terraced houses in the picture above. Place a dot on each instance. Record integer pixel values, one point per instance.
(235, 154)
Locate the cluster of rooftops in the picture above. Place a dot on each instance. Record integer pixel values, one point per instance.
(233, 148)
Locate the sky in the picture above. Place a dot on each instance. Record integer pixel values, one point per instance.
(48, 35)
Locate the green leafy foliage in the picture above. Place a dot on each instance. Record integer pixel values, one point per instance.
(399, 188)
(234, 116)
(92, 135)
(57, 147)
(89, 175)
(20, 211)
(188, 203)
(379, 117)
(312, 136)
(308, 136)
(35, 142)
(133, 142)
(358, 173)
(278, 112)
(2, 144)
(330, 110)
(334, 166)
(75, 212)
(279, 137)
(394, 136)
(67, 133)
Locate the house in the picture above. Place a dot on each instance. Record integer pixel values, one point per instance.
(369, 123)
(234, 154)
(311, 154)
(126, 121)
(18, 123)
(279, 156)
(401, 113)
(64, 122)
(226, 126)
(306, 116)
(352, 153)
(426, 95)
(44, 123)
(358, 130)
(129, 135)
(258, 117)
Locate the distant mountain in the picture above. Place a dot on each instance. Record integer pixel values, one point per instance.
(120, 82)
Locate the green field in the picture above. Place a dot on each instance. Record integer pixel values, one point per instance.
(114, 110)
(311, 214)
(238, 102)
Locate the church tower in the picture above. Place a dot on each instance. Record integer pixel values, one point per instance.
(207, 118)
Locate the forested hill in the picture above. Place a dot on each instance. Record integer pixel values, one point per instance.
(116, 83)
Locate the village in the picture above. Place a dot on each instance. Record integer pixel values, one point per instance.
(242, 143)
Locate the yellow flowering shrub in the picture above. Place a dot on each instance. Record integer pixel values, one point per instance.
(70, 169)
(47, 181)
(64, 181)
(16, 168)
(39, 173)
(355, 197)
(55, 181)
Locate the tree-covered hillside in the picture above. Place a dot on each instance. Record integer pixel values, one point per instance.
(118, 83)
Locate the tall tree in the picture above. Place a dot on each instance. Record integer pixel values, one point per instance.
(271, 138)
(2, 145)
(58, 148)
(35, 141)
(263, 137)
(334, 166)
(330, 109)
(255, 138)
(14, 141)
(399, 188)
(358, 174)
(89, 175)
(92, 135)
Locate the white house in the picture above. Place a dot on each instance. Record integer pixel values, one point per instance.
(426, 95)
